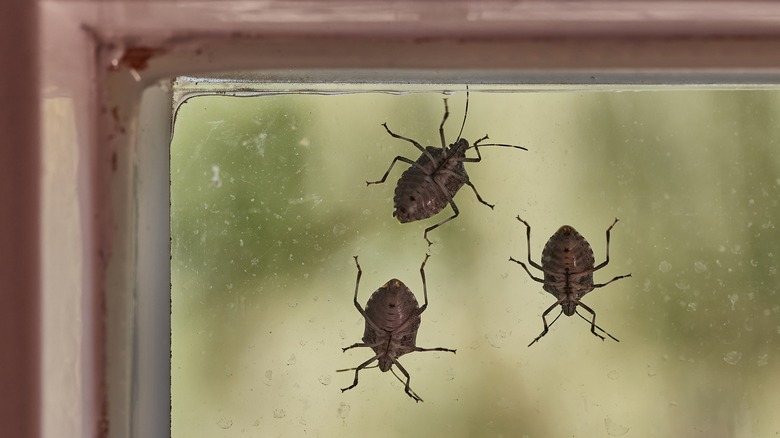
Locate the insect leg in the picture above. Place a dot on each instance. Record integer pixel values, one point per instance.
(465, 181)
(546, 326)
(434, 349)
(479, 198)
(357, 283)
(450, 200)
(607, 260)
(477, 143)
(357, 370)
(593, 325)
(601, 265)
(610, 281)
(398, 158)
(400, 380)
(441, 127)
(425, 286)
(361, 344)
(408, 378)
(586, 320)
(528, 241)
(357, 305)
(476, 149)
(417, 145)
(432, 227)
(526, 270)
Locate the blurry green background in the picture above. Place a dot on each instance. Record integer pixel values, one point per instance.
(269, 204)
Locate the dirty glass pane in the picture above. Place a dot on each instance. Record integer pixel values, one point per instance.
(269, 205)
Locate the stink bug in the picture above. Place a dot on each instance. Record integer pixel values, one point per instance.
(392, 320)
(430, 183)
(567, 264)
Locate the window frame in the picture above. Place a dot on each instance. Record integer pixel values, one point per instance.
(115, 61)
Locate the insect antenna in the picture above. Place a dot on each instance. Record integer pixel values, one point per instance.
(594, 324)
(465, 114)
(477, 144)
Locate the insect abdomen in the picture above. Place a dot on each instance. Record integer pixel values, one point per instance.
(567, 253)
(417, 195)
(392, 305)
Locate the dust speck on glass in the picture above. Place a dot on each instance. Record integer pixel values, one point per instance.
(269, 205)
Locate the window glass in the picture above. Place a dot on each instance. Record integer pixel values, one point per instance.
(269, 204)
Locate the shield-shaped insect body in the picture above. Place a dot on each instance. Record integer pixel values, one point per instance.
(392, 317)
(568, 266)
(431, 182)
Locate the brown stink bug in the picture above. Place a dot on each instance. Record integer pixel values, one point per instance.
(568, 267)
(392, 319)
(430, 183)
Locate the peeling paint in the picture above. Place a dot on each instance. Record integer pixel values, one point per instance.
(137, 58)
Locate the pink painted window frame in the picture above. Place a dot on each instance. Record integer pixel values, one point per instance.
(110, 59)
